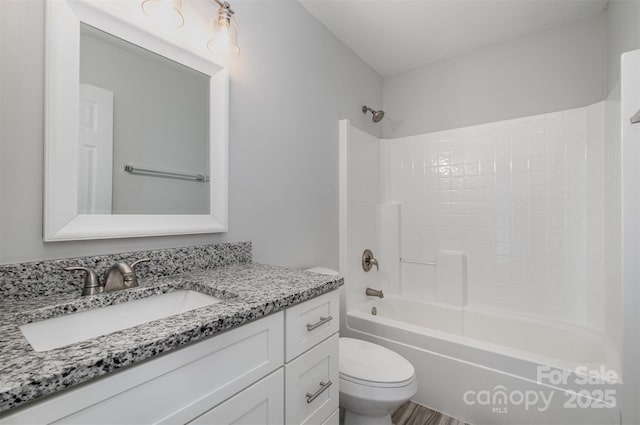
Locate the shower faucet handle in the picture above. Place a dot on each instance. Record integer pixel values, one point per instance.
(368, 261)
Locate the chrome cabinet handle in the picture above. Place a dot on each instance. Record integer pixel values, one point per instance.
(322, 321)
(636, 118)
(323, 388)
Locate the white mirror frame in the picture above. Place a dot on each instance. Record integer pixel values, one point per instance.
(62, 77)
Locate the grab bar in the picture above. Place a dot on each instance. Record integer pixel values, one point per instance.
(636, 118)
(167, 174)
(416, 261)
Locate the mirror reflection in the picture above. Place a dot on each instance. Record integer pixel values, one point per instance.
(144, 131)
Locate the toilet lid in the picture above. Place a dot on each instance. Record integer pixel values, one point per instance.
(364, 361)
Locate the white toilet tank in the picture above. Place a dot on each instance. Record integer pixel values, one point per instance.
(323, 270)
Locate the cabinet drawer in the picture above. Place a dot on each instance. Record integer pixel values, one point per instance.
(311, 322)
(262, 403)
(311, 384)
(175, 387)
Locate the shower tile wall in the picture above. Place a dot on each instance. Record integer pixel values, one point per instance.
(522, 198)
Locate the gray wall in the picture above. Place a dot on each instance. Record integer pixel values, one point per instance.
(623, 35)
(550, 70)
(290, 85)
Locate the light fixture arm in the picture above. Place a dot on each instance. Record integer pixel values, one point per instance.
(224, 5)
(224, 39)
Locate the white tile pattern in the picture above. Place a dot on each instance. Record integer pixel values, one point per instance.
(514, 196)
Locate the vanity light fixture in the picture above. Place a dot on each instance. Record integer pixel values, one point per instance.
(225, 32)
(167, 13)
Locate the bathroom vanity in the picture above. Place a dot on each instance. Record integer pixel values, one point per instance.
(208, 336)
(265, 352)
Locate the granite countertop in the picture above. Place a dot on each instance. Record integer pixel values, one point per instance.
(248, 291)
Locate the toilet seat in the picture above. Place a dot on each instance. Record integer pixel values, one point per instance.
(372, 365)
(377, 384)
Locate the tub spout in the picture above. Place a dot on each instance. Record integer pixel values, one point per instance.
(374, 293)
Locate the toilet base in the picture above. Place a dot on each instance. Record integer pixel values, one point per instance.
(353, 418)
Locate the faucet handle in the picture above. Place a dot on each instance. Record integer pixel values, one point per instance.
(91, 281)
(368, 261)
(133, 267)
(142, 260)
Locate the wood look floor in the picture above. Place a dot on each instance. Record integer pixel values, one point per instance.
(411, 413)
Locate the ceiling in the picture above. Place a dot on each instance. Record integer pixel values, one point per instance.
(394, 36)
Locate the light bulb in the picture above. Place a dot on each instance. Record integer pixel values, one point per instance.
(165, 13)
(221, 43)
(225, 34)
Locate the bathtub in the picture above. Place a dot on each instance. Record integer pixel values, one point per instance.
(490, 367)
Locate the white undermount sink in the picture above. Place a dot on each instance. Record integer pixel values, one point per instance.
(64, 330)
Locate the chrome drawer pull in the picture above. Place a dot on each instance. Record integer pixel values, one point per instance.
(323, 388)
(322, 321)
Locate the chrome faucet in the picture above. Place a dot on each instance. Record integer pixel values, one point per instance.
(374, 293)
(120, 276)
(368, 261)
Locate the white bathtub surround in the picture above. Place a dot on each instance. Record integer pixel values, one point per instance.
(451, 277)
(516, 197)
(388, 245)
(524, 199)
(360, 180)
(497, 271)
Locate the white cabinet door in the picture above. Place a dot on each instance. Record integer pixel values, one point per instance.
(311, 385)
(334, 419)
(260, 404)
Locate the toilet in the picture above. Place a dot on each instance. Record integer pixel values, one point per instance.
(374, 381)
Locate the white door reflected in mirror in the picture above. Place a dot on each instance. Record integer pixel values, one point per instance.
(95, 150)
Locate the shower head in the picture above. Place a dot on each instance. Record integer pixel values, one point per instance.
(377, 115)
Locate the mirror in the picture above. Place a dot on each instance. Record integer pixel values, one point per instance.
(136, 125)
(144, 131)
